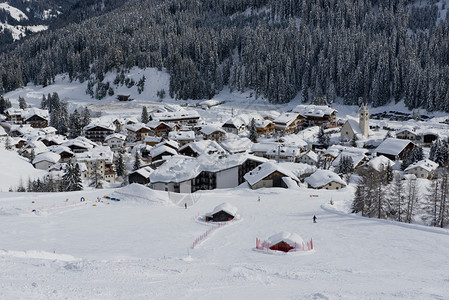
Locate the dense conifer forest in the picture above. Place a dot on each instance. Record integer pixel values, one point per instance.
(384, 50)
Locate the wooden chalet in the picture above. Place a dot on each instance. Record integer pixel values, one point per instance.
(97, 132)
(36, 121)
(222, 213)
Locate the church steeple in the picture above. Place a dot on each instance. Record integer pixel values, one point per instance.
(364, 118)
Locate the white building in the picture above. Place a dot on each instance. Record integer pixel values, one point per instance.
(422, 169)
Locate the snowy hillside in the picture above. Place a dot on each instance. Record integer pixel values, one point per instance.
(15, 169)
(142, 249)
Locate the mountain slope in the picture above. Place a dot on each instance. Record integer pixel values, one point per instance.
(278, 49)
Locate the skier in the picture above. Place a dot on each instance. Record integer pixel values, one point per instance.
(258, 199)
(185, 205)
(314, 219)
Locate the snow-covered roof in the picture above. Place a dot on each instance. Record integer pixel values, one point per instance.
(155, 124)
(312, 155)
(137, 126)
(354, 126)
(81, 142)
(209, 129)
(181, 135)
(283, 150)
(269, 114)
(176, 169)
(265, 170)
(115, 136)
(235, 122)
(204, 147)
(48, 130)
(36, 146)
(407, 128)
(426, 164)
(101, 125)
(293, 140)
(144, 172)
(153, 139)
(55, 138)
(59, 149)
(263, 147)
(322, 177)
(23, 129)
(392, 146)
(287, 237)
(236, 144)
(286, 118)
(47, 156)
(29, 112)
(175, 115)
(179, 168)
(160, 149)
(226, 207)
(170, 143)
(314, 110)
(2, 131)
(380, 162)
(98, 153)
(14, 111)
(357, 157)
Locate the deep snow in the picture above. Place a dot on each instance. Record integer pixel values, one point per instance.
(141, 249)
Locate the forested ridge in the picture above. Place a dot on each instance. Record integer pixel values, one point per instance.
(386, 50)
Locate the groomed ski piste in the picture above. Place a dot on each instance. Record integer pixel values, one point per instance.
(141, 248)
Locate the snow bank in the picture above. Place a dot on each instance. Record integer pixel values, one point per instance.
(138, 193)
(38, 255)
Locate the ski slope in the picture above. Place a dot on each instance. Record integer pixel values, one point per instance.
(141, 248)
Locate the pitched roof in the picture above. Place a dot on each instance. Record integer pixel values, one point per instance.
(322, 177)
(392, 146)
(314, 110)
(265, 170)
(287, 237)
(426, 164)
(226, 207)
(47, 156)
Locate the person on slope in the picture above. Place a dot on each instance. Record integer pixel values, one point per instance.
(314, 219)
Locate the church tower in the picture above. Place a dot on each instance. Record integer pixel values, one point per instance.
(364, 119)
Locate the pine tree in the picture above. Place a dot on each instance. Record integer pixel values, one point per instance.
(253, 131)
(72, 178)
(397, 197)
(323, 137)
(76, 128)
(144, 116)
(86, 119)
(22, 103)
(120, 166)
(137, 161)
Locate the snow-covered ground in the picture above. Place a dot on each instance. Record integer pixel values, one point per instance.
(142, 249)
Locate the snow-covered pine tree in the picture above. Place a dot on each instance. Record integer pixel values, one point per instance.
(76, 128)
(253, 131)
(72, 178)
(323, 137)
(120, 166)
(22, 103)
(86, 119)
(137, 161)
(144, 116)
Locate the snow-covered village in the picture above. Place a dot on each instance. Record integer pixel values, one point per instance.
(218, 149)
(159, 183)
